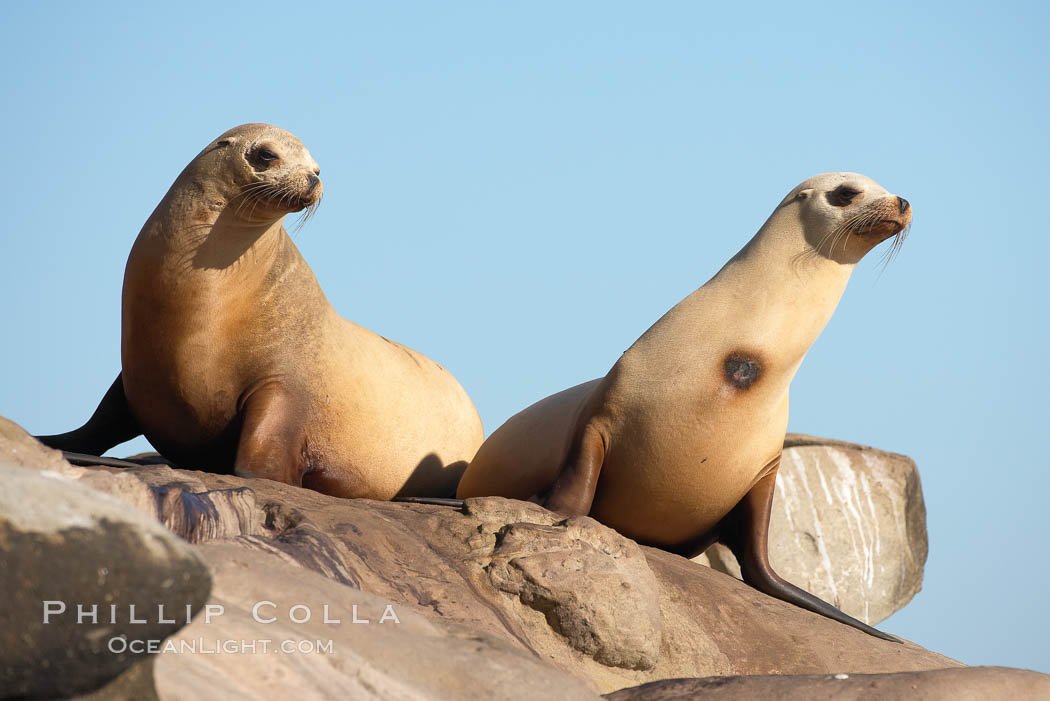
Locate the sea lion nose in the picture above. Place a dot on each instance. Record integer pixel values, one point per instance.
(902, 204)
(314, 181)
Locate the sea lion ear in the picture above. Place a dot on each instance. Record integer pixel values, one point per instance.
(220, 144)
(804, 194)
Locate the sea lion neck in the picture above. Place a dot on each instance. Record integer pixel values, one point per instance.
(199, 227)
(779, 267)
(772, 298)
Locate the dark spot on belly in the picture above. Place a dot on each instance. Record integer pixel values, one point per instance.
(741, 370)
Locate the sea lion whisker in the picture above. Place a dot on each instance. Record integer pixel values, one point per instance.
(884, 263)
(893, 251)
(289, 193)
(898, 243)
(253, 190)
(842, 233)
(259, 196)
(248, 196)
(307, 214)
(836, 234)
(301, 220)
(845, 242)
(799, 259)
(254, 186)
(854, 224)
(283, 191)
(271, 193)
(815, 251)
(247, 191)
(293, 193)
(834, 237)
(314, 207)
(251, 199)
(820, 245)
(858, 221)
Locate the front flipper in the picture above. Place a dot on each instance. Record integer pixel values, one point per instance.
(573, 490)
(745, 531)
(271, 441)
(110, 425)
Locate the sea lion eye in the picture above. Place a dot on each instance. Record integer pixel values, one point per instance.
(842, 195)
(267, 155)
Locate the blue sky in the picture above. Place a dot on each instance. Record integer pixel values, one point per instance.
(520, 191)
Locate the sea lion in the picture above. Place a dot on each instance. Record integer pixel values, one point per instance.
(678, 445)
(233, 359)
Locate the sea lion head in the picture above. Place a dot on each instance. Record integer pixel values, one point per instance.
(845, 215)
(260, 171)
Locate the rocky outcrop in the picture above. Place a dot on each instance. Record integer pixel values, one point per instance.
(970, 684)
(848, 524)
(314, 638)
(569, 592)
(494, 599)
(90, 586)
(593, 586)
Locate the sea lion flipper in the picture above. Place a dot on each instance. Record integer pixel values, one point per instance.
(270, 445)
(110, 425)
(745, 531)
(573, 491)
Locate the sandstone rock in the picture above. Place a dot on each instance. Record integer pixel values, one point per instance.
(179, 500)
(133, 684)
(971, 684)
(848, 525)
(548, 587)
(593, 586)
(19, 449)
(87, 583)
(370, 648)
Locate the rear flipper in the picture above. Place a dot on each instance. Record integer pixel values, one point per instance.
(110, 425)
(745, 531)
(433, 501)
(85, 460)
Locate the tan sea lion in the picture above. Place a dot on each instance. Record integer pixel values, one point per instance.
(678, 446)
(233, 359)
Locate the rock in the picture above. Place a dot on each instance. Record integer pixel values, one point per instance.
(592, 585)
(370, 648)
(133, 684)
(88, 583)
(179, 500)
(19, 449)
(568, 593)
(970, 684)
(848, 525)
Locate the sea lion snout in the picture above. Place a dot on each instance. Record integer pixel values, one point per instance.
(882, 218)
(904, 211)
(304, 188)
(311, 192)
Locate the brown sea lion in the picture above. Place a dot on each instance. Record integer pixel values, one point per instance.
(233, 360)
(678, 445)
